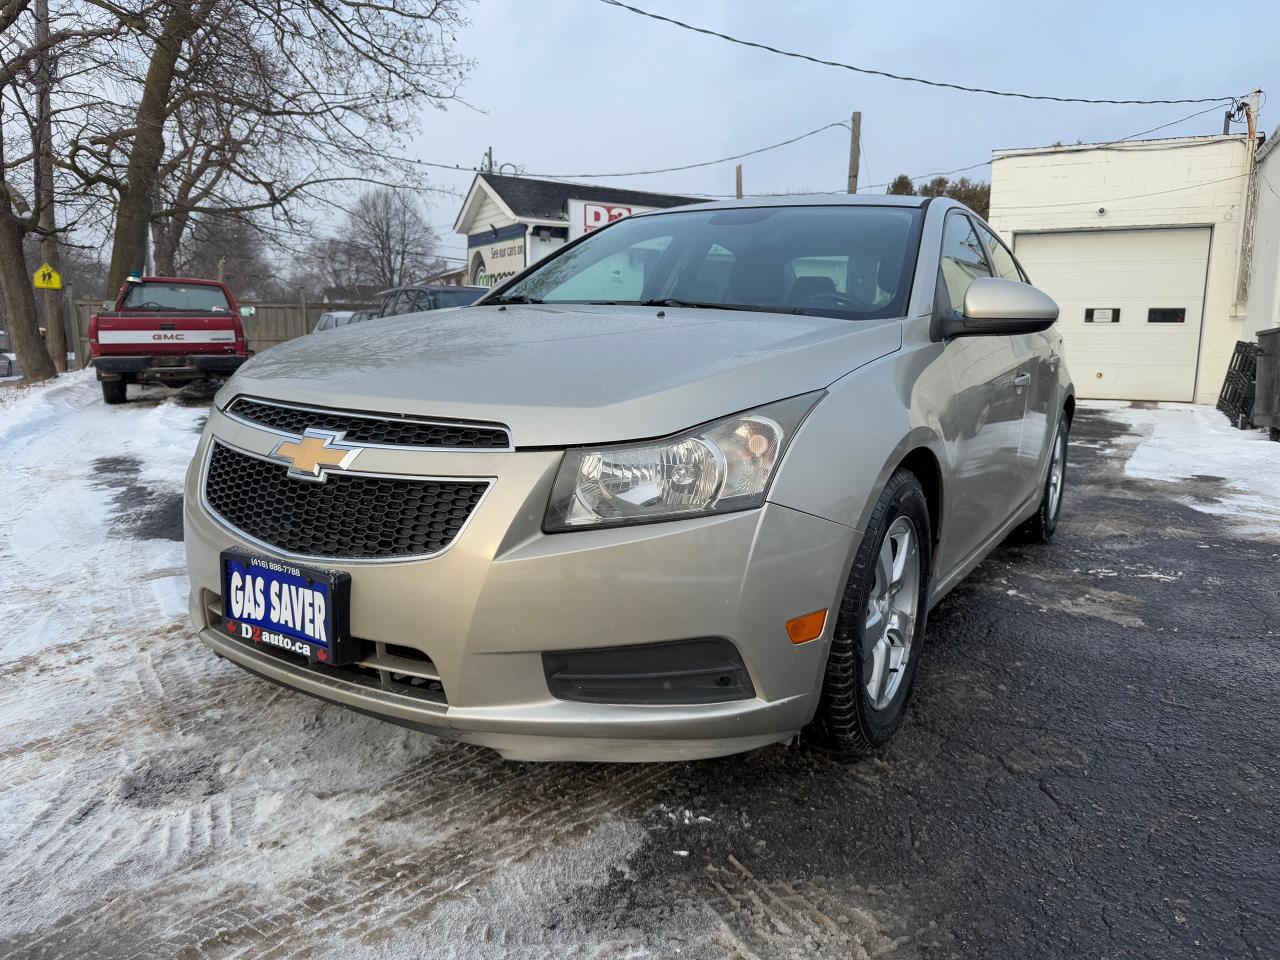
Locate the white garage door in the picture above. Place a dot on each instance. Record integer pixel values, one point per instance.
(1132, 303)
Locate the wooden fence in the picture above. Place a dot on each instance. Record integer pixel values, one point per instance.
(270, 324)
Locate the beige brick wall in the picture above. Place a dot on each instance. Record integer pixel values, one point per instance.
(1063, 188)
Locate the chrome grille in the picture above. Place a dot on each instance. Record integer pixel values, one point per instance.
(370, 428)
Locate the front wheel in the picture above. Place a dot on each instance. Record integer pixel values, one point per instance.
(1040, 528)
(879, 631)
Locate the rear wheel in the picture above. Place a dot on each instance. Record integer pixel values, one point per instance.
(879, 632)
(1040, 528)
(115, 391)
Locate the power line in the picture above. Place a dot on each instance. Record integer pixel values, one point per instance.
(894, 76)
(691, 166)
(1143, 133)
(1105, 145)
(642, 173)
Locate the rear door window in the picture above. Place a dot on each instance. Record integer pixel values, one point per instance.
(399, 302)
(1001, 259)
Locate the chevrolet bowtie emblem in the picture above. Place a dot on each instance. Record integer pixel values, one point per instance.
(314, 453)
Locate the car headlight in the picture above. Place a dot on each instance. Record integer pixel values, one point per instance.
(715, 468)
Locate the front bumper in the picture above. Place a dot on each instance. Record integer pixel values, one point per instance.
(485, 610)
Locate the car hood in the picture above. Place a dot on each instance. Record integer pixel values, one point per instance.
(567, 374)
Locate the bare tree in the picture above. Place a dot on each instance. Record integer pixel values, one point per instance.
(27, 187)
(387, 231)
(264, 105)
(229, 249)
(384, 241)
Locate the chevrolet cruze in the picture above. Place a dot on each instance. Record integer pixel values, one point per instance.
(687, 487)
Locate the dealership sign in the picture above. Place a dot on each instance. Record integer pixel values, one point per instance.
(489, 264)
(585, 216)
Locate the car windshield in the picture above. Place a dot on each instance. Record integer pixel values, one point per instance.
(839, 260)
(150, 295)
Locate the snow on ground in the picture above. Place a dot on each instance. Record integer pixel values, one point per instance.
(1180, 442)
(150, 790)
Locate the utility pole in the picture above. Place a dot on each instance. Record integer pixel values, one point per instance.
(855, 149)
(488, 160)
(55, 326)
(1244, 258)
(738, 182)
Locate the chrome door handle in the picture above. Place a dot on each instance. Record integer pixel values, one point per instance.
(1021, 380)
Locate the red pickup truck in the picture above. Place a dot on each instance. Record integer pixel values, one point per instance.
(169, 330)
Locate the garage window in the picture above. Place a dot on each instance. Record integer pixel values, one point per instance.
(1167, 315)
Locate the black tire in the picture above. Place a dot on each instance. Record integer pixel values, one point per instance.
(1040, 528)
(115, 391)
(847, 721)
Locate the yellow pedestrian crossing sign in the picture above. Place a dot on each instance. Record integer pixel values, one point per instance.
(48, 278)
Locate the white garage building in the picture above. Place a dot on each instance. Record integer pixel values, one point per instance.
(1139, 242)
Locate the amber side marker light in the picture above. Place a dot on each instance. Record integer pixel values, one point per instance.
(806, 628)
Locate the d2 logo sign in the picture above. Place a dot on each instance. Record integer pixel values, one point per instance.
(598, 214)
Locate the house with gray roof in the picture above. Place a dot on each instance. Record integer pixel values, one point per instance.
(511, 222)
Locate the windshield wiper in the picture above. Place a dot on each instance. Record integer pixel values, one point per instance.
(515, 298)
(700, 305)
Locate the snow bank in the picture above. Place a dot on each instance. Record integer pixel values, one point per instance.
(1180, 442)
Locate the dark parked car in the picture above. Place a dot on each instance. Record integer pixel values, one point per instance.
(415, 299)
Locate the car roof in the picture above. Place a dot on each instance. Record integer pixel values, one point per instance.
(801, 200)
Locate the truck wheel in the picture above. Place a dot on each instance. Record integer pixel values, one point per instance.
(1040, 528)
(115, 391)
(879, 631)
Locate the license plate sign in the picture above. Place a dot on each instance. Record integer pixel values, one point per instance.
(300, 610)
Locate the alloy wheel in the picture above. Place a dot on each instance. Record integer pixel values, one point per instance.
(1057, 472)
(892, 608)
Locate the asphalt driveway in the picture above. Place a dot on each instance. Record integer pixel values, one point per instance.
(1089, 768)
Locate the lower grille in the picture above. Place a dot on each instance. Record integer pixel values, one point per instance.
(388, 667)
(348, 517)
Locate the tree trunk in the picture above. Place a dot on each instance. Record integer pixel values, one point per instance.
(20, 301)
(164, 248)
(133, 215)
(54, 325)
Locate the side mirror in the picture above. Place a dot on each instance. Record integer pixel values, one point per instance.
(994, 306)
(247, 312)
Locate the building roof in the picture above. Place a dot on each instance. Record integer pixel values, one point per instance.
(1156, 143)
(546, 199)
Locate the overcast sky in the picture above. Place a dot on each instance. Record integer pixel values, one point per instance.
(577, 86)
